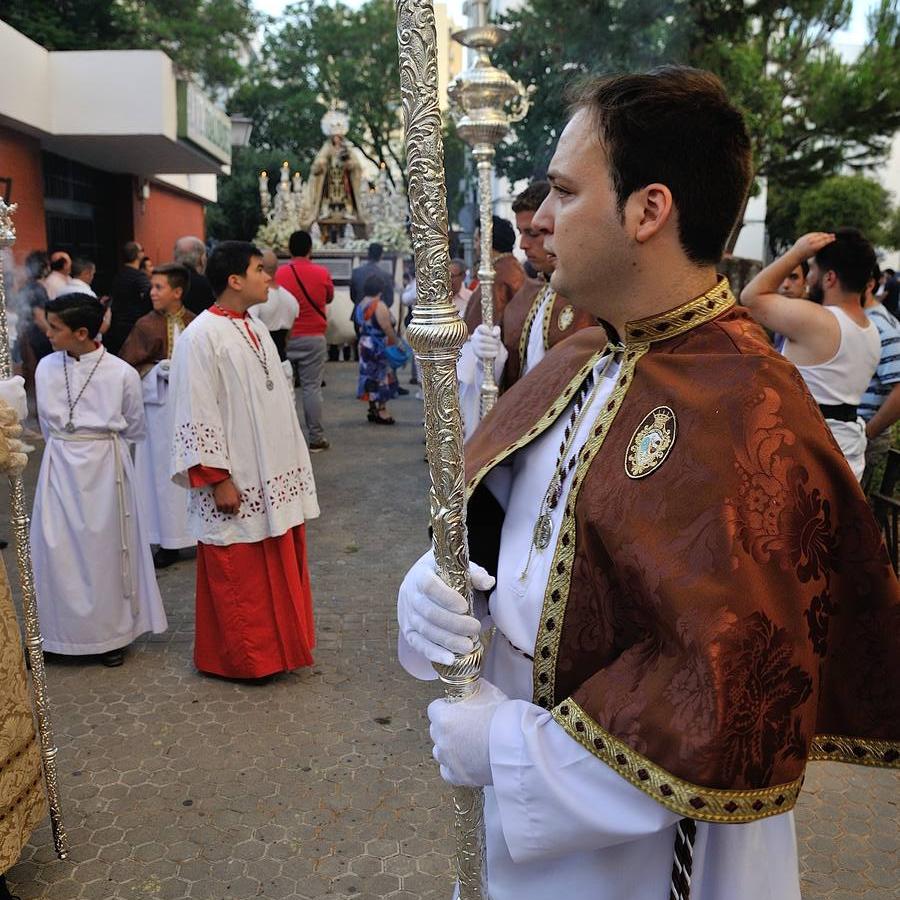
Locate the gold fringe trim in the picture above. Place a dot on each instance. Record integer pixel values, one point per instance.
(548, 316)
(526, 328)
(861, 751)
(682, 797)
(683, 318)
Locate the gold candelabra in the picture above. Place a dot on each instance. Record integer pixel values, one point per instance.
(20, 522)
(437, 333)
(485, 102)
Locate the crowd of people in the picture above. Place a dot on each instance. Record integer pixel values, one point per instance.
(669, 541)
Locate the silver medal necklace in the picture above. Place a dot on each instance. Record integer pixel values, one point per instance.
(70, 425)
(259, 354)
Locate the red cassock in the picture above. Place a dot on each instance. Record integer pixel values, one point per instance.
(254, 602)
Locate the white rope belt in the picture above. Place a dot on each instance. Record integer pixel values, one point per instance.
(113, 437)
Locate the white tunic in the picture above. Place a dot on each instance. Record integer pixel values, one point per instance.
(92, 596)
(280, 310)
(559, 822)
(164, 503)
(226, 418)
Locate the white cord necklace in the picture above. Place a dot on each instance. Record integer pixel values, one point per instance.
(70, 425)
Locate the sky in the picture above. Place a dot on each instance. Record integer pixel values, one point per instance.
(854, 35)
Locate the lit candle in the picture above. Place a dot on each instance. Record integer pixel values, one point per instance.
(285, 172)
(298, 182)
(263, 182)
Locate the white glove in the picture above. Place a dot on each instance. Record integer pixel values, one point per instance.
(461, 731)
(434, 618)
(288, 371)
(486, 342)
(164, 367)
(12, 393)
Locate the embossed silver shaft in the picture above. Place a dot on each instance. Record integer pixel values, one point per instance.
(436, 334)
(33, 640)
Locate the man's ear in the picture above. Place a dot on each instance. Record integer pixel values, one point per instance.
(648, 211)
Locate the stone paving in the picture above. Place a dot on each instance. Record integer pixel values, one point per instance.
(320, 785)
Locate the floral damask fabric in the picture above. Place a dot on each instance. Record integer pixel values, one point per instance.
(714, 615)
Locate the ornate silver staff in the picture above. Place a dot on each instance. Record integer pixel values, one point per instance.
(436, 334)
(485, 102)
(19, 519)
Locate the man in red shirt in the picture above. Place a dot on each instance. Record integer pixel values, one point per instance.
(311, 284)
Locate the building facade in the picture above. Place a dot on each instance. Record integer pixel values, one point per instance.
(102, 147)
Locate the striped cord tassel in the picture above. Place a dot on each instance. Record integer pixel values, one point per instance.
(683, 862)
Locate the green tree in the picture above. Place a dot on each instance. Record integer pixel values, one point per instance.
(810, 113)
(206, 38)
(852, 201)
(892, 235)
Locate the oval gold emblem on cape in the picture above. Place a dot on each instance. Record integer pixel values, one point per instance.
(651, 442)
(566, 317)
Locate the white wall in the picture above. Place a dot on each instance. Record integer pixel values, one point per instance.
(25, 97)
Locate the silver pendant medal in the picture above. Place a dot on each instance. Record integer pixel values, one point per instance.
(270, 385)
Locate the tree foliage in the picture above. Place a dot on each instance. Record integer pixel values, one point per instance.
(206, 38)
(810, 112)
(852, 201)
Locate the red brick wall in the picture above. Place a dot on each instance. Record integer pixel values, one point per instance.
(20, 159)
(166, 216)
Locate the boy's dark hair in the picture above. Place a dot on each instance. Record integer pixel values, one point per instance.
(176, 274)
(81, 265)
(373, 286)
(504, 235)
(851, 257)
(300, 243)
(532, 197)
(229, 258)
(78, 311)
(676, 126)
(131, 251)
(375, 251)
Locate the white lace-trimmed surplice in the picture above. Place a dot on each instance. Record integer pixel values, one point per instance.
(90, 598)
(226, 418)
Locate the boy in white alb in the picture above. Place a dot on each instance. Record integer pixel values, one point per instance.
(238, 447)
(149, 349)
(94, 579)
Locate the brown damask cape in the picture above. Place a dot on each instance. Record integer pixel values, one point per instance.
(711, 626)
(509, 276)
(560, 320)
(150, 341)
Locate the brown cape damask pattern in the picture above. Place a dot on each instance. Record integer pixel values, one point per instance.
(149, 340)
(710, 619)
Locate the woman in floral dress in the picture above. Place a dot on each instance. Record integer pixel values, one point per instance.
(377, 382)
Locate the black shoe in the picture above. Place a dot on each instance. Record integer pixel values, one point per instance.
(163, 558)
(402, 391)
(414, 381)
(112, 659)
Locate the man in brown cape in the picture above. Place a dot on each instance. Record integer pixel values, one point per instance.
(691, 599)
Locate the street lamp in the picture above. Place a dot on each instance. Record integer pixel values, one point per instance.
(241, 126)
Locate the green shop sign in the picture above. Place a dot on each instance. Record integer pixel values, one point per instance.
(202, 123)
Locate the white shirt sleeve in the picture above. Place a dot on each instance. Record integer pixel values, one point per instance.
(554, 796)
(133, 406)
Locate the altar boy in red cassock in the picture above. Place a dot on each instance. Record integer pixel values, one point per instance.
(238, 448)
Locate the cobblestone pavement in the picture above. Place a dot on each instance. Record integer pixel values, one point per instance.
(321, 784)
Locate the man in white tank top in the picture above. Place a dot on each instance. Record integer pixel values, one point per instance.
(831, 340)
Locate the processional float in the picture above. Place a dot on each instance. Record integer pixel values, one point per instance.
(20, 521)
(437, 333)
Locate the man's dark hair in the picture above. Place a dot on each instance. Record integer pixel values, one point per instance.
(37, 264)
(532, 197)
(177, 275)
(300, 243)
(80, 265)
(58, 264)
(504, 236)
(851, 257)
(373, 286)
(675, 126)
(890, 273)
(78, 311)
(804, 267)
(131, 251)
(230, 258)
(375, 252)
